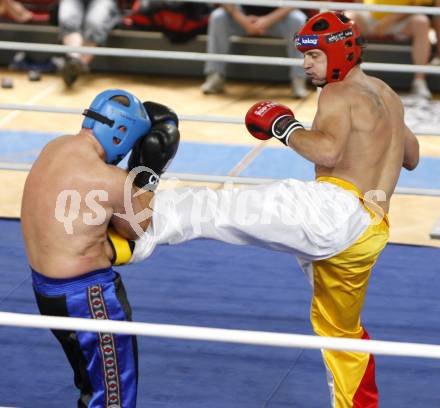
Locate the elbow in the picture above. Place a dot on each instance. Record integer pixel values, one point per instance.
(411, 165)
(331, 158)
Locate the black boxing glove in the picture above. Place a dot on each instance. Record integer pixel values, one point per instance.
(155, 151)
(160, 113)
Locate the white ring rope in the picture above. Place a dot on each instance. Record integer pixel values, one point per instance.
(76, 111)
(330, 5)
(207, 178)
(201, 56)
(184, 118)
(257, 338)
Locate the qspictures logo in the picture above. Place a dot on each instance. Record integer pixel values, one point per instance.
(286, 207)
(68, 204)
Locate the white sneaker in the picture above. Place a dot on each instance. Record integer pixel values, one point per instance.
(419, 88)
(435, 61)
(299, 88)
(214, 84)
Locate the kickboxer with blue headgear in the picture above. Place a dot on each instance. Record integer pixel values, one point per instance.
(118, 119)
(73, 232)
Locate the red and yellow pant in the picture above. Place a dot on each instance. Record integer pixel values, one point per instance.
(339, 287)
(324, 223)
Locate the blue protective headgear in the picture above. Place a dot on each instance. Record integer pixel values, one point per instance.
(118, 119)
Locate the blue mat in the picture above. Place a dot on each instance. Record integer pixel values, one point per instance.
(207, 283)
(220, 159)
(284, 163)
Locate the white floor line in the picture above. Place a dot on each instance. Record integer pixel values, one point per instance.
(45, 92)
(247, 159)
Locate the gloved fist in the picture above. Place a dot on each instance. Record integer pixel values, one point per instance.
(160, 113)
(155, 151)
(268, 119)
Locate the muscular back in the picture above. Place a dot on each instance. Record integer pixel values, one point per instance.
(374, 148)
(67, 163)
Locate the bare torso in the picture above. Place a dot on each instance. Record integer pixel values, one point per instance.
(67, 163)
(374, 151)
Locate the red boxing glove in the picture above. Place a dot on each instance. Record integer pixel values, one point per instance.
(268, 119)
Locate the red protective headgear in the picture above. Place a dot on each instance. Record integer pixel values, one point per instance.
(335, 35)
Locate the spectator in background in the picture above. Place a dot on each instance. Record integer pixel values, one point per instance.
(179, 21)
(15, 11)
(436, 26)
(231, 20)
(84, 22)
(401, 26)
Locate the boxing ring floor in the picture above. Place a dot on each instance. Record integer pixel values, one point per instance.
(206, 283)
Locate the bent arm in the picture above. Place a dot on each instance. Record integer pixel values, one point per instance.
(236, 14)
(245, 21)
(277, 15)
(131, 206)
(325, 143)
(411, 154)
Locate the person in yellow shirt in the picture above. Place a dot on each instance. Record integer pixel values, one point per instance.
(401, 26)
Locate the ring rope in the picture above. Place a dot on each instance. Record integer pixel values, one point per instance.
(258, 338)
(76, 111)
(201, 56)
(207, 178)
(330, 5)
(184, 118)
(257, 180)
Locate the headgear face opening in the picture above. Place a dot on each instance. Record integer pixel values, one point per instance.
(335, 35)
(118, 119)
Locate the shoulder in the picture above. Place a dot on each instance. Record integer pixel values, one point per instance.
(386, 91)
(60, 142)
(113, 175)
(335, 94)
(337, 90)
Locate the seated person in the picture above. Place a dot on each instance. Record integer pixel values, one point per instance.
(402, 26)
(231, 20)
(15, 11)
(436, 26)
(84, 23)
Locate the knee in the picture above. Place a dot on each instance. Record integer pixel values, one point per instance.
(70, 24)
(420, 23)
(96, 29)
(296, 19)
(95, 33)
(218, 17)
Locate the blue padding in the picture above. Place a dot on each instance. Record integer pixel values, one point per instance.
(22, 146)
(426, 175)
(284, 163)
(202, 158)
(214, 159)
(219, 159)
(279, 163)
